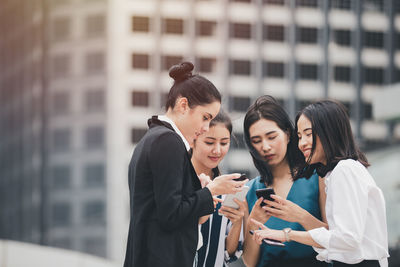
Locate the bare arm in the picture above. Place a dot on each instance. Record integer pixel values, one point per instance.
(287, 210)
(303, 237)
(251, 250)
(236, 217)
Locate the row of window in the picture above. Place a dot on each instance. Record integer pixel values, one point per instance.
(366, 5)
(372, 75)
(93, 102)
(62, 27)
(94, 64)
(93, 213)
(93, 138)
(374, 39)
(93, 176)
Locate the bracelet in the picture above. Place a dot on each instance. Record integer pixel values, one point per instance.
(286, 231)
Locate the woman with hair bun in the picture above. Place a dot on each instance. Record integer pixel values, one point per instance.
(166, 197)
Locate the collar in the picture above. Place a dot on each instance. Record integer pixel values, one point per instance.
(172, 123)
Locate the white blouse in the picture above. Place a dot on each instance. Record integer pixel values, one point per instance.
(356, 214)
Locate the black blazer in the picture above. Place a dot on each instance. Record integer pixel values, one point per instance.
(166, 201)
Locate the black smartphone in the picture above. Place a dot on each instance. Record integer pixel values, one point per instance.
(270, 241)
(241, 178)
(265, 193)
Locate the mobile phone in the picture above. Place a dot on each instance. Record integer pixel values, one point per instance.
(241, 178)
(228, 200)
(265, 193)
(271, 242)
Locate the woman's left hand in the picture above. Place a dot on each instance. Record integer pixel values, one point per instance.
(284, 209)
(234, 215)
(266, 232)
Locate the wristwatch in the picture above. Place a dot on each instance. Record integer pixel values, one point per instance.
(286, 231)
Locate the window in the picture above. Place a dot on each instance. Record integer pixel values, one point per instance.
(95, 63)
(240, 67)
(173, 26)
(373, 75)
(94, 100)
(373, 39)
(62, 243)
(274, 32)
(240, 30)
(342, 73)
(240, 103)
(61, 140)
(342, 37)
(205, 65)
(274, 69)
(140, 24)
(169, 61)
(61, 29)
(94, 175)
(307, 3)
(95, 246)
(373, 5)
(94, 212)
(61, 177)
(137, 134)
(341, 4)
(60, 103)
(307, 35)
(95, 25)
(61, 66)
(140, 61)
(205, 28)
(140, 99)
(274, 2)
(367, 110)
(61, 214)
(94, 137)
(308, 71)
(59, 3)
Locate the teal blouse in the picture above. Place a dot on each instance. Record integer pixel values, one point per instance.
(305, 193)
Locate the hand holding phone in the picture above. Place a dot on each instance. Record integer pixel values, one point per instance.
(265, 193)
(271, 242)
(228, 201)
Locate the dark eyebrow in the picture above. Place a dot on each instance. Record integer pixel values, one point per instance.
(307, 129)
(271, 132)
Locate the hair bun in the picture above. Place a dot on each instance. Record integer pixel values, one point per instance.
(181, 71)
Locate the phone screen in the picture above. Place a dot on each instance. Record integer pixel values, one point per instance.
(241, 178)
(265, 193)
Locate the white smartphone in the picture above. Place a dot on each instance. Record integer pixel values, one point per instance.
(228, 201)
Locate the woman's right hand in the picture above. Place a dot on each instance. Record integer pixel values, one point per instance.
(258, 213)
(225, 184)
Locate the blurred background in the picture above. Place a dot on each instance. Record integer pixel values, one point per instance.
(80, 78)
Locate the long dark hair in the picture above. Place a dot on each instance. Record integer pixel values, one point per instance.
(197, 89)
(330, 122)
(266, 107)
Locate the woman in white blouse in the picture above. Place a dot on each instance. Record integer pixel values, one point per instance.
(355, 207)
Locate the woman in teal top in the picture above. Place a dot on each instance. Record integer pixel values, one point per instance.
(269, 135)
